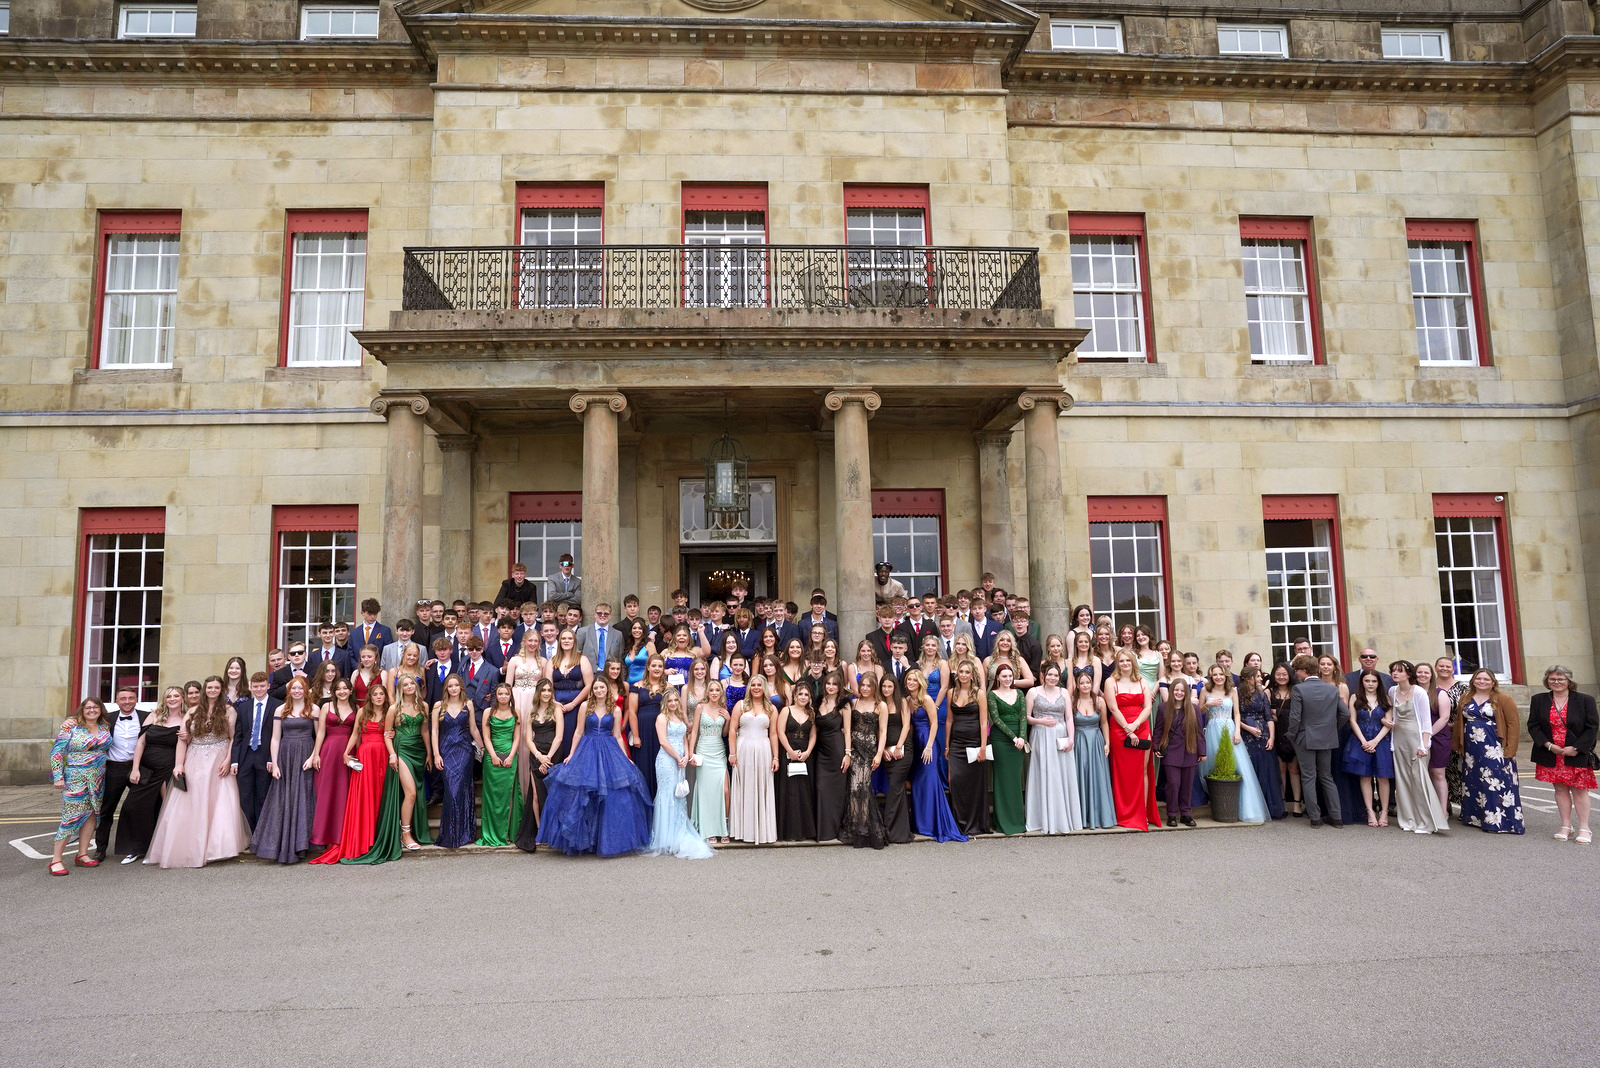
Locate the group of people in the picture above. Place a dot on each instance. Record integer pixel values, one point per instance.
(672, 731)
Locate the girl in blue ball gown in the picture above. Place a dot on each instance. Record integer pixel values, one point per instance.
(597, 801)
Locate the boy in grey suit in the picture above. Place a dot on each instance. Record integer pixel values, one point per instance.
(1313, 726)
(590, 643)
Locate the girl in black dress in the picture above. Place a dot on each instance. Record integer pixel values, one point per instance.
(898, 755)
(829, 761)
(864, 731)
(797, 740)
(1278, 693)
(969, 733)
(153, 759)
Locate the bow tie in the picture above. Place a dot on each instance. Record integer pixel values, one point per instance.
(125, 715)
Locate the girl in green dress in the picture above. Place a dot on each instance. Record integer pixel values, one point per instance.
(1010, 748)
(410, 744)
(502, 798)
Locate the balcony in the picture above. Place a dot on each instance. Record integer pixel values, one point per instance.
(665, 277)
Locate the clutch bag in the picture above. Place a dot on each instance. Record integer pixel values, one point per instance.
(181, 781)
(682, 789)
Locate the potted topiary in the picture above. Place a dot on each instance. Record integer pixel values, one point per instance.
(1222, 785)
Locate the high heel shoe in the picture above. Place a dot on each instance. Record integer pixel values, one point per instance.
(407, 842)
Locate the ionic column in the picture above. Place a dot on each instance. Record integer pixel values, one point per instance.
(402, 501)
(455, 516)
(852, 485)
(602, 534)
(994, 507)
(1047, 570)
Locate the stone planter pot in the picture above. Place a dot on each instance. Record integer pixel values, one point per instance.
(1224, 794)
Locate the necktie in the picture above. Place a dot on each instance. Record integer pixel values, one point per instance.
(505, 648)
(255, 727)
(367, 630)
(947, 649)
(472, 672)
(601, 634)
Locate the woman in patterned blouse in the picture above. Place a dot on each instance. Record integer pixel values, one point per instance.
(78, 770)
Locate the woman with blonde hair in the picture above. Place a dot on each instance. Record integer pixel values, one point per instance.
(966, 745)
(597, 802)
(752, 806)
(643, 706)
(671, 833)
(1005, 652)
(410, 664)
(1219, 702)
(154, 758)
(708, 742)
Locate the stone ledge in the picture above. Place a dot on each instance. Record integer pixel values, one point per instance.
(354, 372)
(1299, 369)
(127, 376)
(1086, 368)
(1435, 373)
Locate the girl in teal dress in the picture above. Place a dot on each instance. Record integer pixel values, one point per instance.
(707, 742)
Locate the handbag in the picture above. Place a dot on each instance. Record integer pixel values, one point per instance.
(1136, 743)
(682, 789)
(181, 781)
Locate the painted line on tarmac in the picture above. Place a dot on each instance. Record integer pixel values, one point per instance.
(21, 846)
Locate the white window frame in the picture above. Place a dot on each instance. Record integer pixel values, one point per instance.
(540, 543)
(5, 18)
(733, 276)
(317, 548)
(176, 13)
(1277, 310)
(1239, 33)
(896, 530)
(331, 10)
(1306, 570)
(1112, 291)
(126, 306)
(104, 599)
(1122, 540)
(309, 333)
(1482, 577)
(1445, 313)
(570, 274)
(1066, 35)
(1397, 38)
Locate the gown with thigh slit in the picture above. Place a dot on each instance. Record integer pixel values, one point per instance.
(544, 732)
(143, 807)
(363, 796)
(408, 728)
(930, 811)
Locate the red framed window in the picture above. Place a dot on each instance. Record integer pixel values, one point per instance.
(1280, 290)
(727, 264)
(1477, 592)
(885, 227)
(1130, 564)
(908, 531)
(543, 526)
(121, 567)
(1305, 574)
(1111, 287)
(1447, 291)
(324, 287)
(135, 289)
(564, 222)
(887, 215)
(313, 570)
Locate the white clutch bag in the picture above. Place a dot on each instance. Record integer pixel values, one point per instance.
(1061, 744)
(972, 753)
(682, 789)
(797, 768)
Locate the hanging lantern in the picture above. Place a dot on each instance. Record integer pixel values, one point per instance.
(727, 481)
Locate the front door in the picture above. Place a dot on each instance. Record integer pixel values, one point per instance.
(711, 577)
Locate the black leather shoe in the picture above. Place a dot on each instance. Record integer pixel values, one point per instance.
(97, 854)
(1187, 821)
(1172, 821)
(1316, 823)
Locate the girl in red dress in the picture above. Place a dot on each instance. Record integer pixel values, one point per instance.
(369, 754)
(1133, 773)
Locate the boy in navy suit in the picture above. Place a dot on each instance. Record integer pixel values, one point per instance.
(252, 745)
(479, 675)
(370, 631)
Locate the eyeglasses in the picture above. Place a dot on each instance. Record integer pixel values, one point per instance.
(1369, 656)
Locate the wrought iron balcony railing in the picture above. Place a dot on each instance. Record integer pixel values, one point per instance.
(797, 277)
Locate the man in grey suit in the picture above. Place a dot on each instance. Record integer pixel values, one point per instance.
(563, 585)
(1313, 725)
(390, 657)
(600, 641)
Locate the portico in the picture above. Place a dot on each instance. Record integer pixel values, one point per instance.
(658, 383)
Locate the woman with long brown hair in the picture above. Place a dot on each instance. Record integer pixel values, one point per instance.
(1181, 744)
(202, 820)
(501, 808)
(283, 832)
(335, 722)
(370, 756)
(541, 734)
(78, 770)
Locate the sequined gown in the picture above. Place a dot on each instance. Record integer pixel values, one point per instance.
(863, 820)
(457, 825)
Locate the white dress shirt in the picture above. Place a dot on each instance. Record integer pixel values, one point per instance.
(124, 736)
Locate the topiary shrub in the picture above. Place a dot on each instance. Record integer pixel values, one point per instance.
(1226, 768)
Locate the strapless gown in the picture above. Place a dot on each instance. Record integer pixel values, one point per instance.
(597, 801)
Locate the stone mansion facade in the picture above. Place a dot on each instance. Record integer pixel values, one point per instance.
(1243, 321)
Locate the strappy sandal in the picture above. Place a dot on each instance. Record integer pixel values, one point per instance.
(405, 832)
(84, 861)
(55, 864)
(1383, 821)
(1584, 838)
(1561, 835)
(1372, 821)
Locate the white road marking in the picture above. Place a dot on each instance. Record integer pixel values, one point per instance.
(21, 846)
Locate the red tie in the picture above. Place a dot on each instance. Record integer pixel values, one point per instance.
(472, 673)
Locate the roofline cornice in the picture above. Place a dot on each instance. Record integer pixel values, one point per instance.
(169, 61)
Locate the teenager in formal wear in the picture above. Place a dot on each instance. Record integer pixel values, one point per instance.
(201, 821)
(791, 667)
(541, 734)
(319, 684)
(153, 760)
(235, 679)
(671, 833)
(935, 671)
(679, 658)
(335, 722)
(573, 675)
(1146, 656)
(735, 679)
(1182, 745)
(830, 764)
(1092, 749)
(643, 705)
(370, 756)
(1280, 688)
(1005, 652)
(455, 741)
(1562, 726)
(637, 648)
(78, 769)
(501, 730)
(796, 789)
(727, 647)
(125, 725)
(966, 745)
(898, 757)
(1010, 742)
(597, 801)
(1416, 801)
(410, 664)
(1369, 754)
(1053, 805)
(1083, 659)
(708, 741)
(1254, 714)
(752, 815)
(1105, 652)
(365, 674)
(930, 810)
(252, 743)
(283, 831)
(1129, 703)
(1218, 703)
(864, 729)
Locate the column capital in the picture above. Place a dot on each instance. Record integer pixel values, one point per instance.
(456, 442)
(867, 398)
(384, 401)
(1030, 399)
(992, 439)
(580, 402)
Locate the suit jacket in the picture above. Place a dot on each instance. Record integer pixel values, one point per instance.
(915, 631)
(589, 645)
(830, 626)
(557, 587)
(436, 684)
(787, 630)
(244, 714)
(424, 635)
(1032, 652)
(749, 641)
(279, 679)
(1171, 743)
(1314, 714)
(381, 636)
(510, 591)
(480, 690)
(984, 640)
(1582, 727)
(397, 649)
(880, 644)
(346, 666)
(1352, 679)
(498, 657)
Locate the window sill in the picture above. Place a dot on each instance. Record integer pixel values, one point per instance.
(1113, 368)
(1303, 369)
(1456, 372)
(325, 372)
(127, 376)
